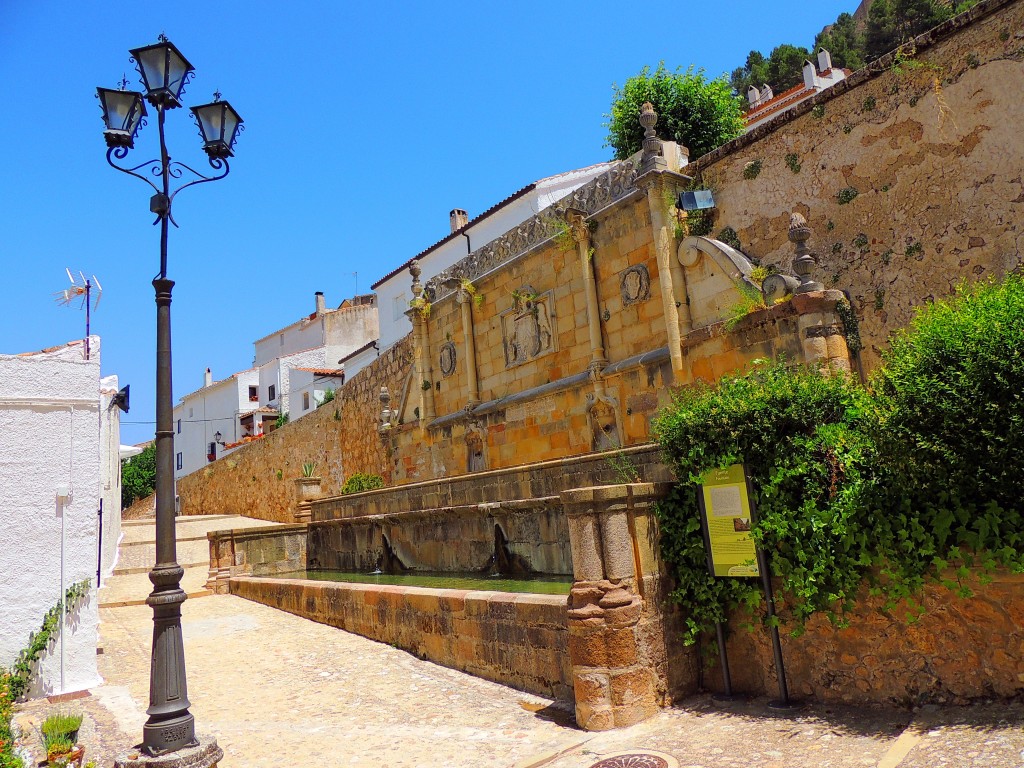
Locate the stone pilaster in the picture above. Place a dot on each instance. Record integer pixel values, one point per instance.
(418, 314)
(613, 681)
(465, 300)
(580, 232)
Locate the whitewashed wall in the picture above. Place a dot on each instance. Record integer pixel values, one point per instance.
(110, 472)
(49, 435)
(207, 411)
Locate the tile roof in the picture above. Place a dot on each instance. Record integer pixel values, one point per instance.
(323, 371)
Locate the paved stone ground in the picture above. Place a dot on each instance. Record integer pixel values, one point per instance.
(278, 690)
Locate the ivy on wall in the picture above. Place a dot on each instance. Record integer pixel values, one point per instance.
(914, 478)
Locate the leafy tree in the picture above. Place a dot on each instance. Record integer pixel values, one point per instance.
(786, 65)
(699, 113)
(893, 22)
(782, 70)
(138, 476)
(753, 73)
(844, 41)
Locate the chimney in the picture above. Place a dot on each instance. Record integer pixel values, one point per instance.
(824, 60)
(458, 219)
(321, 306)
(810, 75)
(207, 378)
(753, 95)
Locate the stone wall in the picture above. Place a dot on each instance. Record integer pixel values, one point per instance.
(533, 534)
(960, 650)
(910, 176)
(265, 551)
(257, 480)
(544, 480)
(517, 640)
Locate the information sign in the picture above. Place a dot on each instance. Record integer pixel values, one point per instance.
(726, 519)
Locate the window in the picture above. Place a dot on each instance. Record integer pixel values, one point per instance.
(271, 392)
(179, 461)
(401, 304)
(190, 414)
(179, 431)
(282, 339)
(254, 395)
(305, 401)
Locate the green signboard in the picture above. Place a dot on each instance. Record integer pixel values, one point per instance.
(726, 519)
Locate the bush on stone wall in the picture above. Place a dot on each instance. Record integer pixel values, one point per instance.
(362, 481)
(913, 478)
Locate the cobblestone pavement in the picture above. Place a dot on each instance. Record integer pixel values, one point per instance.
(278, 690)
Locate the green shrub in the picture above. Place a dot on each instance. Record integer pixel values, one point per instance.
(951, 414)
(797, 431)
(362, 481)
(914, 479)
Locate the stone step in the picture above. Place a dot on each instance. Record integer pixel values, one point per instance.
(132, 589)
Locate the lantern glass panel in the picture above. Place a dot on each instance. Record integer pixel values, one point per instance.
(164, 70)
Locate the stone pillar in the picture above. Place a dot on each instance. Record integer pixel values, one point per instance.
(580, 232)
(821, 330)
(465, 300)
(418, 314)
(658, 183)
(614, 683)
(222, 560)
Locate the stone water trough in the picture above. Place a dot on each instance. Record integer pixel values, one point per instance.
(593, 647)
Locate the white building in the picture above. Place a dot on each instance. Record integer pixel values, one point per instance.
(764, 104)
(393, 290)
(218, 408)
(309, 387)
(59, 438)
(307, 353)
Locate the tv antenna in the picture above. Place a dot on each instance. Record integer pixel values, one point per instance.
(89, 291)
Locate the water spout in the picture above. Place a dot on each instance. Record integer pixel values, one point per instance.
(503, 561)
(389, 562)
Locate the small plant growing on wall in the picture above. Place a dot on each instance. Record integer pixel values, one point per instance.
(422, 306)
(752, 170)
(846, 195)
(728, 236)
(467, 285)
(793, 162)
(861, 242)
(751, 300)
(362, 481)
(818, 111)
(914, 249)
(869, 104)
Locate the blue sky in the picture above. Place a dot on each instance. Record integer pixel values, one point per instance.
(365, 124)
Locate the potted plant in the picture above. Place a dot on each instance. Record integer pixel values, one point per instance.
(308, 486)
(59, 733)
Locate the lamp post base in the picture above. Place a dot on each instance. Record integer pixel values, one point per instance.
(205, 755)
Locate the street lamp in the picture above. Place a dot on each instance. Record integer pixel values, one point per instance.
(165, 72)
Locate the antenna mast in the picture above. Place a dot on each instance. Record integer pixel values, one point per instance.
(89, 291)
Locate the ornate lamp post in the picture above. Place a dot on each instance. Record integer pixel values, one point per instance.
(165, 72)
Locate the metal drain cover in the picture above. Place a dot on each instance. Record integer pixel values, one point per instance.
(633, 760)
